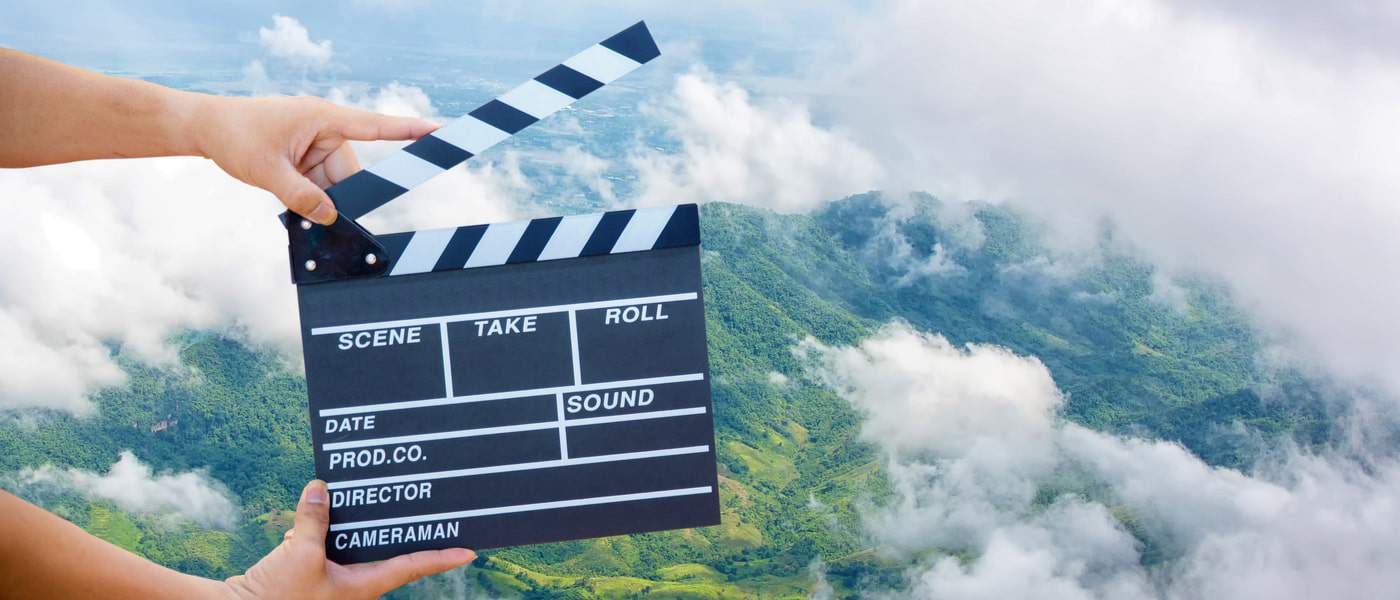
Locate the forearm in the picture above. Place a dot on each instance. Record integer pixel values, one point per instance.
(52, 113)
(44, 556)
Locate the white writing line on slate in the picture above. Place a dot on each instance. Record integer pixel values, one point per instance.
(549, 391)
(538, 310)
(543, 464)
(482, 431)
(501, 510)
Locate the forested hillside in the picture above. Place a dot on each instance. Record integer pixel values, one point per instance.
(794, 473)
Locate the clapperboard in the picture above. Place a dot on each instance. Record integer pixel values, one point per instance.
(512, 383)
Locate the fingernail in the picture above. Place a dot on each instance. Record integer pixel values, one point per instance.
(315, 493)
(324, 213)
(462, 555)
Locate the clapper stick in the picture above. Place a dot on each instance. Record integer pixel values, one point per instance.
(510, 383)
(493, 122)
(336, 252)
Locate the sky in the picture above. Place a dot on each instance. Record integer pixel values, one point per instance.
(1252, 143)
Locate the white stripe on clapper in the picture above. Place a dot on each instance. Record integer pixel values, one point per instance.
(643, 229)
(570, 236)
(405, 170)
(536, 99)
(601, 64)
(471, 134)
(423, 251)
(496, 244)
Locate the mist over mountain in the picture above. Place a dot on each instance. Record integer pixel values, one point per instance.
(911, 396)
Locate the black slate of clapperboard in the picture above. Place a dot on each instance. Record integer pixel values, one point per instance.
(483, 366)
(487, 437)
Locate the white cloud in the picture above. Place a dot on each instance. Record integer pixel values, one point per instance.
(1213, 143)
(488, 192)
(910, 411)
(971, 439)
(394, 99)
(821, 588)
(580, 168)
(256, 80)
(133, 487)
(289, 41)
(736, 149)
(126, 253)
(1169, 293)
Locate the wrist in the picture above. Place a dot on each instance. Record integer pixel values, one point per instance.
(214, 589)
(196, 114)
(232, 588)
(184, 586)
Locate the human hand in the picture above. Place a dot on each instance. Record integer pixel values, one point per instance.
(298, 569)
(292, 147)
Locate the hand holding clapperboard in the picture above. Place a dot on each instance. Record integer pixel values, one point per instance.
(512, 383)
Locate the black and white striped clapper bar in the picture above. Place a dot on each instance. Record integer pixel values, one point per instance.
(512, 383)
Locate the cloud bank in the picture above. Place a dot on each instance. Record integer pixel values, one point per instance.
(290, 41)
(116, 256)
(735, 148)
(133, 487)
(982, 464)
(1216, 140)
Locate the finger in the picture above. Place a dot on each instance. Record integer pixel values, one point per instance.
(317, 175)
(341, 164)
(313, 517)
(301, 196)
(401, 570)
(363, 125)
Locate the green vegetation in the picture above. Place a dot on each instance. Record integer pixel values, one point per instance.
(794, 471)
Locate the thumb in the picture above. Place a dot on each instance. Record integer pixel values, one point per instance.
(404, 569)
(313, 517)
(301, 196)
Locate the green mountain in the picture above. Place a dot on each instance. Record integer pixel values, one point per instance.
(794, 473)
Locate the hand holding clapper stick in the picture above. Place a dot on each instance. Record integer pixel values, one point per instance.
(293, 147)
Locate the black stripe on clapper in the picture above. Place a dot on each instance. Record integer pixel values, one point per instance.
(438, 152)
(634, 42)
(682, 230)
(606, 233)
(459, 248)
(573, 83)
(503, 116)
(394, 244)
(362, 192)
(532, 242)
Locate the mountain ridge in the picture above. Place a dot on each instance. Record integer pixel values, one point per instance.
(795, 473)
